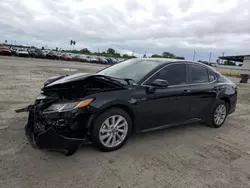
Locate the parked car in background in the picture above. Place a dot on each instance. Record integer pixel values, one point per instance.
(22, 52)
(120, 60)
(5, 51)
(13, 50)
(81, 58)
(137, 95)
(59, 54)
(93, 59)
(46, 52)
(52, 55)
(212, 64)
(66, 57)
(102, 60)
(31, 51)
(111, 60)
(36, 53)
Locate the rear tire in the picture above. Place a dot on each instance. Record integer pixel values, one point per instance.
(218, 115)
(111, 129)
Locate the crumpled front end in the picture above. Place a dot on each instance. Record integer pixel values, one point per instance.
(61, 116)
(59, 131)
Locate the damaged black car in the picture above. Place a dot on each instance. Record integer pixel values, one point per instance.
(137, 95)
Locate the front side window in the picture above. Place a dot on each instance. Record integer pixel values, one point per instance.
(174, 74)
(198, 74)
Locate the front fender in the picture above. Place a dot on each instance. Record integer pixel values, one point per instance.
(127, 106)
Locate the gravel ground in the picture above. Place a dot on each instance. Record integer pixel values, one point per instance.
(186, 156)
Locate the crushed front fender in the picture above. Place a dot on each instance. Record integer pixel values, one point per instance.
(50, 139)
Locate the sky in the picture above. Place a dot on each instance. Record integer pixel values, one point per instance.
(152, 26)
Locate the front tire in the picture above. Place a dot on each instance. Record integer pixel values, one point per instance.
(111, 129)
(218, 115)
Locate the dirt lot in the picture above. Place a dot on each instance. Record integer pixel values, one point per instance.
(187, 156)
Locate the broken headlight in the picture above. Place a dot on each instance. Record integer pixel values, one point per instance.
(66, 106)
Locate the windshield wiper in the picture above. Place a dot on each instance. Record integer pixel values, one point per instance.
(129, 80)
(118, 80)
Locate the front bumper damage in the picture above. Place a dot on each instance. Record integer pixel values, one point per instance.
(48, 136)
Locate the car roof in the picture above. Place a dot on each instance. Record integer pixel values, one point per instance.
(163, 61)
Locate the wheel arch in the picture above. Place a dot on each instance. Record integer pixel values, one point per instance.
(123, 106)
(227, 101)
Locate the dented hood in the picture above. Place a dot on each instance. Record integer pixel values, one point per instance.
(70, 78)
(64, 81)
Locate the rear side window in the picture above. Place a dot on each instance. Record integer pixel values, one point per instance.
(198, 74)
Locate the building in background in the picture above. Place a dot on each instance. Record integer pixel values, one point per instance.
(244, 69)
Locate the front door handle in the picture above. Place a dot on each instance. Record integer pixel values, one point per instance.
(186, 91)
(215, 88)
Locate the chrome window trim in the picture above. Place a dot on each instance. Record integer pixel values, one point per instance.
(186, 62)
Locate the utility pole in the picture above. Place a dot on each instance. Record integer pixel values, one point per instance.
(222, 56)
(210, 54)
(194, 55)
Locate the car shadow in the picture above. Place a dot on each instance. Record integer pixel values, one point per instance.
(150, 137)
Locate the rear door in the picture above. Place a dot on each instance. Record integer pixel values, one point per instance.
(203, 90)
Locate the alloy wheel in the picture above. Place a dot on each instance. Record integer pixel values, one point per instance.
(113, 131)
(220, 114)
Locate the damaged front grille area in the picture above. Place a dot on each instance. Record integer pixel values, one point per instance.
(41, 123)
(69, 124)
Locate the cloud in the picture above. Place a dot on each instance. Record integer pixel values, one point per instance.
(179, 26)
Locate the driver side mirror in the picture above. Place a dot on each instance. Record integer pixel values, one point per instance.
(159, 84)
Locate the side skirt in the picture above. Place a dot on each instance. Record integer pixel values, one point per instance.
(171, 125)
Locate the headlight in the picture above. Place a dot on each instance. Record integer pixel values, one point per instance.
(60, 107)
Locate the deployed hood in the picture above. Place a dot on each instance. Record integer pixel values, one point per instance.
(67, 79)
(82, 84)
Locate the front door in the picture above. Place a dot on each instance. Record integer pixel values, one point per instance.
(169, 105)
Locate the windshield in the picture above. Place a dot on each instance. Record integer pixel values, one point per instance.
(134, 69)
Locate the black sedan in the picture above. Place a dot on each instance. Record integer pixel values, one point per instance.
(37, 53)
(52, 55)
(133, 96)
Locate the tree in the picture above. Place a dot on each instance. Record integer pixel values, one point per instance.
(85, 51)
(177, 57)
(156, 56)
(144, 56)
(117, 55)
(125, 56)
(111, 51)
(56, 48)
(42, 48)
(168, 55)
(6, 41)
